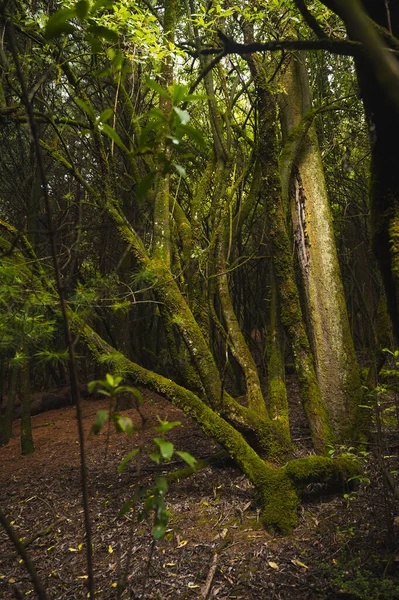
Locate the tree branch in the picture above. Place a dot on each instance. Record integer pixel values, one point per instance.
(310, 19)
(229, 46)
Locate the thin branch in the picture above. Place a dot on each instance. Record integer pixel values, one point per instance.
(20, 548)
(212, 64)
(310, 19)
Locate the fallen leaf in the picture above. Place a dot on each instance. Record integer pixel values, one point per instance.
(110, 549)
(182, 543)
(273, 565)
(298, 563)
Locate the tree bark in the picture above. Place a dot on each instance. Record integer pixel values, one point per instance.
(331, 339)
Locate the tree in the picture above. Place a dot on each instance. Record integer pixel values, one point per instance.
(186, 190)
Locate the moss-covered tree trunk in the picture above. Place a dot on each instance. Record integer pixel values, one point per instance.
(331, 338)
(276, 388)
(162, 234)
(238, 344)
(281, 250)
(279, 488)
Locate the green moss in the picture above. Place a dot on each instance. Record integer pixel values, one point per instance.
(279, 503)
(303, 471)
(394, 242)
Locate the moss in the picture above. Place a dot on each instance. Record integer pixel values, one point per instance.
(279, 503)
(303, 471)
(394, 242)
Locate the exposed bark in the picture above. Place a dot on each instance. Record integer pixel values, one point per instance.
(291, 312)
(335, 360)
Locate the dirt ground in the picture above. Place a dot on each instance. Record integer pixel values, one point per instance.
(344, 546)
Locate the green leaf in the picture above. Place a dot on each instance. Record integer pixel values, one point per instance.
(93, 384)
(190, 460)
(161, 484)
(194, 134)
(104, 392)
(101, 418)
(126, 506)
(181, 170)
(110, 132)
(196, 98)
(153, 85)
(156, 116)
(165, 447)
(124, 424)
(155, 457)
(178, 93)
(110, 379)
(104, 33)
(118, 60)
(166, 425)
(106, 114)
(182, 114)
(126, 389)
(87, 108)
(145, 185)
(57, 23)
(101, 4)
(127, 458)
(82, 9)
(159, 531)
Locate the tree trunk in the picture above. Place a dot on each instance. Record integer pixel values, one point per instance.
(277, 390)
(383, 121)
(6, 418)
(331, 338)
(279, 488)
(27, 445)
(280, 245)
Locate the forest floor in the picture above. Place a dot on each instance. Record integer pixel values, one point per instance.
(345, 546)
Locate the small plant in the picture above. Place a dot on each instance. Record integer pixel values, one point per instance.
(153, 497)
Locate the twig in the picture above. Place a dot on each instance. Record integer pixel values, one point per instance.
(35, 536)
(209, 579)
(18, 545)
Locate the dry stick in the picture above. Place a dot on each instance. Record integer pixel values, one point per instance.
(35, 536)
(18, 545)
(209, 579)
(67, 332)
